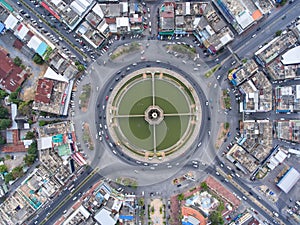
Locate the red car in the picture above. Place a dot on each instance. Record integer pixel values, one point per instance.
(106, 97)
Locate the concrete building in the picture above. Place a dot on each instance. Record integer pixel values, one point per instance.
(288, 180)
(11, 76)
(292, 56)
(239, 75)
(167, 18)
(55, 98)
(237, 153)
(287, 130)
(240, 14)
(257, 93)
(78, 216)
(106, 217)
(275, 48)
(70, 12)
(30, 196)
(256, 138)
(287, 99)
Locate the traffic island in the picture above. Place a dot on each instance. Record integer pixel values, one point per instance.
(127, 181)
(86, 136)
(84, 97)
(125, 49)
(182, 49)
(222, 134)
(157, 212)
(212, 71)
(153, 114)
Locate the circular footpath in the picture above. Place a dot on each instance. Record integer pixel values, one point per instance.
(153, 114)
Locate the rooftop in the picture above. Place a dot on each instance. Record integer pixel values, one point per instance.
(11, 76)
(288, 181)
(44, 90)
(292, 56)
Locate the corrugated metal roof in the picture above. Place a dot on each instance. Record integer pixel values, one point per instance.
(288, 181)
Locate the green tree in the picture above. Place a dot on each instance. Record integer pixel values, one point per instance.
(5, 123)
(3, 168)
(278, 33)
(31, 154)
(2, 140)
(25, 109)
(30, 135)
(7, 157)
(32, 148)
(13, 97)
(226, 125)
(221, 207)
(3, 94)
(216, 218)
(3, 112)
(17, 61)
(8, 177)
(141, 202)
(17, 172)
(29, 159)
(204, 186)
(38, 59)
(42, 123)
(180, 197)
(80, 67)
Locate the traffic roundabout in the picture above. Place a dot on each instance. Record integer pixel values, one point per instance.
(153, 113)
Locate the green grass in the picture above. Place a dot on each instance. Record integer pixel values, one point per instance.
(170, 131)
(170, 95)
(138, 125)
(211, 72)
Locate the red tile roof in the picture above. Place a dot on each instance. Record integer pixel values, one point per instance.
(11, 76)
(18, 44)
(222, 191)
(110, 20)
(17, 146)
(5, 63)
(253, 222)
(44, 90)
(187, 211)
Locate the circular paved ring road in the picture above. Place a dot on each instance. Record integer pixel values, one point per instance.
(126, 163)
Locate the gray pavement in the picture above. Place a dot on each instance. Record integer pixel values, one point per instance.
(103, 157)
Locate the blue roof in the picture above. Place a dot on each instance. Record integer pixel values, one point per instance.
(124, 217)
(136, 7)
(186, 223)
(42, 49)
(2, 27)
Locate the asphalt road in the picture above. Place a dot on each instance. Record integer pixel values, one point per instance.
(65, 199)
(106, 78)
(60, 30)
(244, 45)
